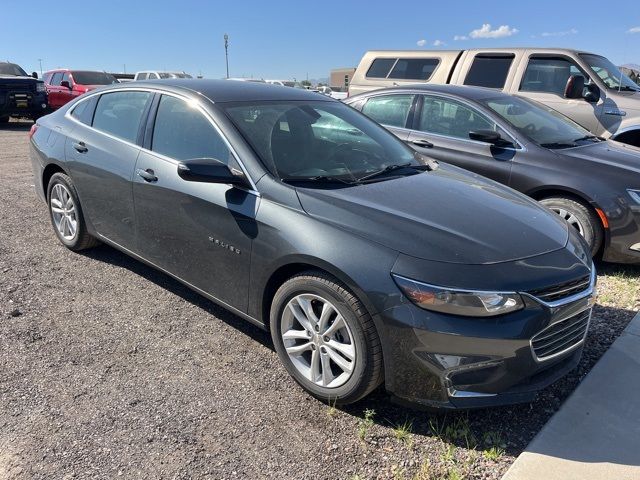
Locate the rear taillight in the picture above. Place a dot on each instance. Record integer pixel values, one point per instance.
(33, 130)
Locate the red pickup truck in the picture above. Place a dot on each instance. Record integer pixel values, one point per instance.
(64, 85)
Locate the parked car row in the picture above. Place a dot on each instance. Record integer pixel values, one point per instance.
(369, 262)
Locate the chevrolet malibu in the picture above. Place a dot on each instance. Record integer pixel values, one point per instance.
(369, 263)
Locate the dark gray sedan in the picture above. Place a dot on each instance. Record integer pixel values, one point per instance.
(368, 262)
(592, 183)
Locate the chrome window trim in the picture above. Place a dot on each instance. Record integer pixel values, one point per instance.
(253, 190)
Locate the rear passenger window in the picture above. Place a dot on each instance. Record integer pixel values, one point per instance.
(380, 67)
(450, 118)
(489, 71)
(391, 110)
(414, 68)
(142, 76)
(119, 113)
(548, 74)
(182, 132)
(83, 111)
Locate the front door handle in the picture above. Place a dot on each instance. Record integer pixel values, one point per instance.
(148, 175)
(80, 147)
(421, 142)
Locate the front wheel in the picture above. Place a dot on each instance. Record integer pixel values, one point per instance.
(326, 339)
(579, 216)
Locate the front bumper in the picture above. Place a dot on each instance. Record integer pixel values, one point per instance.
(23, 103)
(442, 361)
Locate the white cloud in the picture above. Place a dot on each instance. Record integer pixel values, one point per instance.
(564, 33)
(421, 43)
(486, 32)
(460, 37)
(439, 43)
(634, 30)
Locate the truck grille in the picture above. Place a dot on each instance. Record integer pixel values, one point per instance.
(562, 290)
(561, 336)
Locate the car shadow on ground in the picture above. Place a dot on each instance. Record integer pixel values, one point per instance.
(16, 126)
(510, 427)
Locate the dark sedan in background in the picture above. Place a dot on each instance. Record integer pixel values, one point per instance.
(368, 262)
(592, 183)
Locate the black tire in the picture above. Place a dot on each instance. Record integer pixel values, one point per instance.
(586, 218)
(82, 239)
(367, 372)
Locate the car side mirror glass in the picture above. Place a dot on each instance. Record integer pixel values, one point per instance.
(66, 84)
(210, 170)
(574, 87)
(34, 75)
(592, 93)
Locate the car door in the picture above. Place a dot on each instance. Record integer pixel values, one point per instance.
(545, 78)
(54, 91)
(393, 111)
(441, 130)
(66, 88)
(199, 232)
(102, 157)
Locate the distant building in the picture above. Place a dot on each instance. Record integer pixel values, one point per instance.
(340, 78)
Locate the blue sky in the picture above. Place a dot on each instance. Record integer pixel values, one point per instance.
(287, 39)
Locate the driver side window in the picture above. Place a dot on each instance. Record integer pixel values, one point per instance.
(443, 116)
(549, 75)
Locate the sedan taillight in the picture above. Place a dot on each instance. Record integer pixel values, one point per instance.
(33, 130)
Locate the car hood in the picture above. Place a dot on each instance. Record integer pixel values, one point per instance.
(16, 79)
(609, 153)
(447, 215)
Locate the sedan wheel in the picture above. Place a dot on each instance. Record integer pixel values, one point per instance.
(325, 338)
(579, 216)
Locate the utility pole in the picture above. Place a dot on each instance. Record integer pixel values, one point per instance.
(40, 61)
(226, 52)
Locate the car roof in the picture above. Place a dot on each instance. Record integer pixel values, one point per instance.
(465, 91)
(229, 91)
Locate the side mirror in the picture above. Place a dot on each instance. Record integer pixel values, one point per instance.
(486, 136)
(574, 87)
(34, 75)
(210, 170)
(66, 84)
(592, 94)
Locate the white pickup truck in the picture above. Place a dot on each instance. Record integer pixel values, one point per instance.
(587, 88)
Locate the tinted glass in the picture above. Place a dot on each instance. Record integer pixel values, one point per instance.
(310, 139)
(153, 76)
(46, 78)
(380, 67)
(414, 68)
(119, 113)
(611, 75)
(94, 78)
(83, 111)
(451, 118)
(56, 79)
(65, 78)
(12, 69)
(391, 110)
(542, 124)
(489, 71)
(142, 76)
(548, 74)
(182, 132)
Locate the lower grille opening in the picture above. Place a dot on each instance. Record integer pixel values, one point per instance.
(561, 336)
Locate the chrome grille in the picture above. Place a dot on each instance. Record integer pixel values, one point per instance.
(561, 336)
(562, 290)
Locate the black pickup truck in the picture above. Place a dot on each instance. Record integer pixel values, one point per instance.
(21, 95)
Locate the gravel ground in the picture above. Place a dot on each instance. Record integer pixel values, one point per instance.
(109, 368)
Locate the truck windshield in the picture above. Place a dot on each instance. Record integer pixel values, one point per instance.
(93, 78)
(12, 69)
(541, 124)
(611, 75)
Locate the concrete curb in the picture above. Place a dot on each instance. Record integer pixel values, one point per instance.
(596, 433)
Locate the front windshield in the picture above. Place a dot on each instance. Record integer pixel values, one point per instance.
(611, 75)
(12, 69)
(317, 139)
(93, 78)
(541, 124)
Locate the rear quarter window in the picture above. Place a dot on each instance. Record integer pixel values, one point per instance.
(120, 113)
(489, 71)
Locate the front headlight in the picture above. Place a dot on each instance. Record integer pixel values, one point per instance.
(459, 302)
(634, 194)
(40, 87)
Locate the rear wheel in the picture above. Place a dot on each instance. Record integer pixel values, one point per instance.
(326, 339)
(66, 214)
(579, 216)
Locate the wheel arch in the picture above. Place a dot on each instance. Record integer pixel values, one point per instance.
(47, 173)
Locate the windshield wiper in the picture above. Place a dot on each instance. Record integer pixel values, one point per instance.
(558, 145)
(393, 168)
(626, 88)
(587, 137)
(317, 179)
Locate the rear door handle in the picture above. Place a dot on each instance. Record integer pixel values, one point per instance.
(148, 175)
(80, 147)
(421, 142)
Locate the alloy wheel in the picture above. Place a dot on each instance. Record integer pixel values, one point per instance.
(64, 212)
(318, 340)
